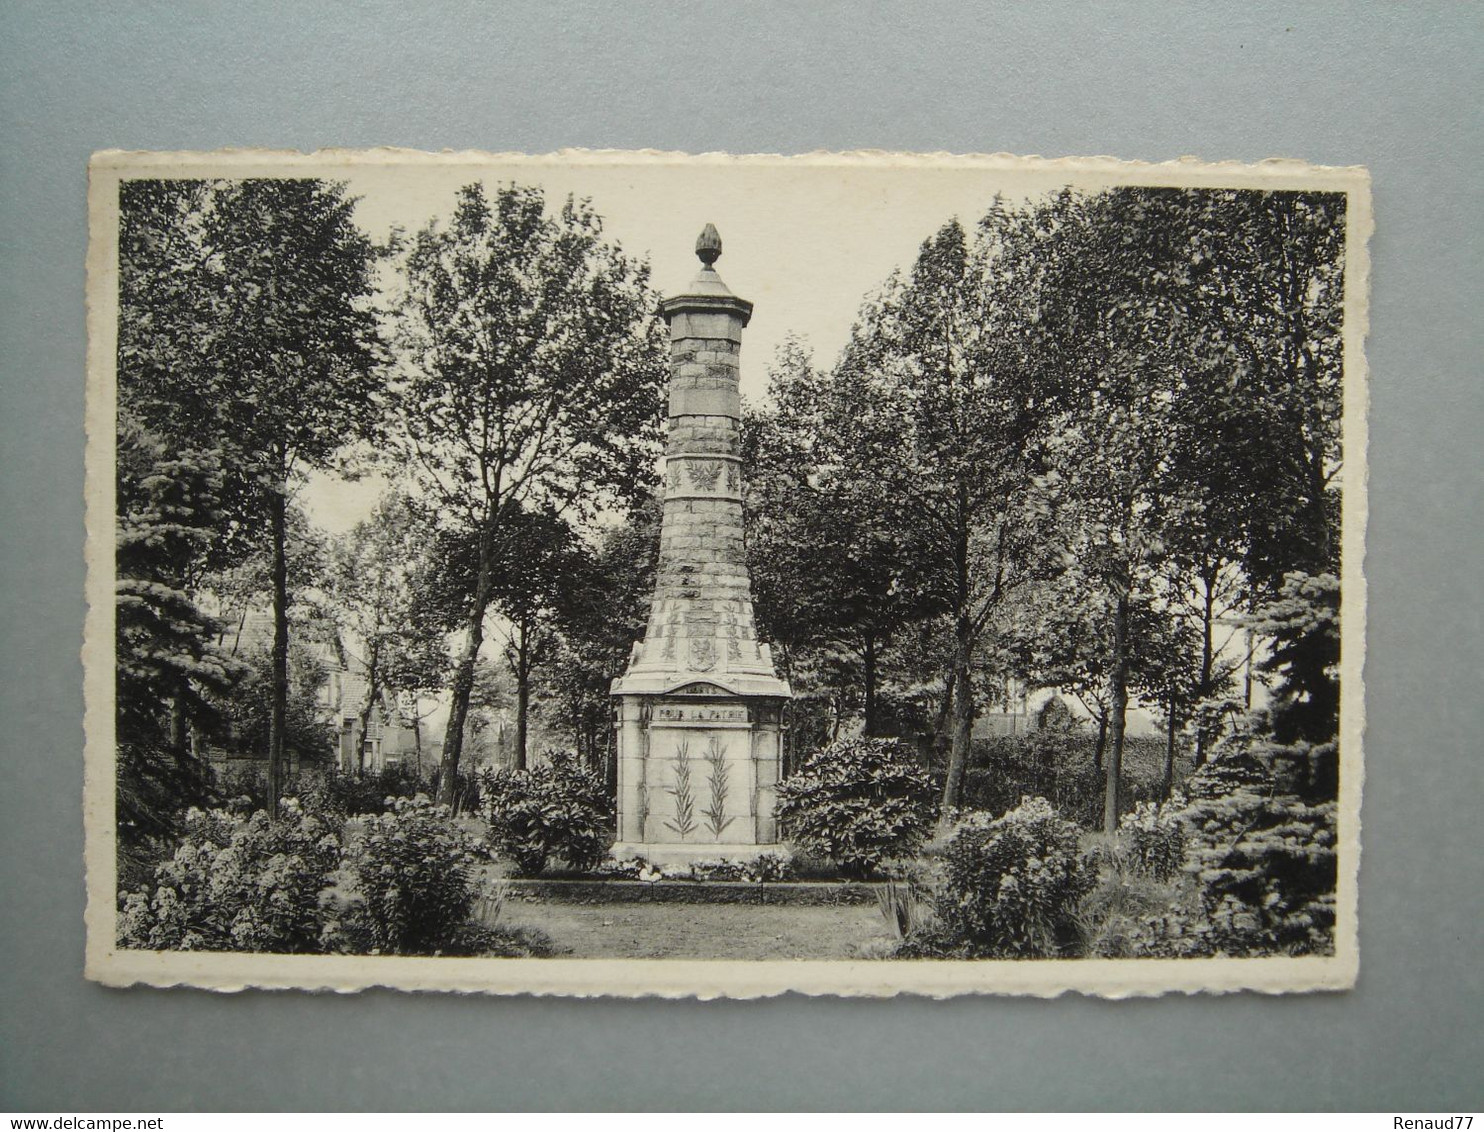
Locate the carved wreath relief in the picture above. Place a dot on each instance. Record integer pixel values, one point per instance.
(704, 473)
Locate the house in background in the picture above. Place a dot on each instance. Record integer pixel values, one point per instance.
(392, 737)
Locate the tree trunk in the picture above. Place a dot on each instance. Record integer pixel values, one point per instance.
(963, 691)
(1167, 785)
(1247, 673)
(278, 510)
(1102, 743)
(1118, 710)
(1316, 511)
(522, 692)
(1208, 661)
(463, 687)
(365, 721)
(868, 677)
(417, 739)
(962, 718)
(373, 665)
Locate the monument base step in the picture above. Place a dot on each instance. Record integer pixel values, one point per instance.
(686, 853)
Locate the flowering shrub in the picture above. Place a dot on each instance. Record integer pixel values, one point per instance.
(627, 869)
(237, 883)
(858, 802)
(403, 883)
(769, 868)
(412, 870)
(762, 869)
(557, 809)
(765, 867)
(1154, 838)
(1011, 885)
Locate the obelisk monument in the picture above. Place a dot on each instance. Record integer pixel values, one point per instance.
(700, 708)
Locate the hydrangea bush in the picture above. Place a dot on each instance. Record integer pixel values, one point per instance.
(401, 882)
(858, 802)
(556, 809)
(413, 874)
(1012, 884)
(238, 883)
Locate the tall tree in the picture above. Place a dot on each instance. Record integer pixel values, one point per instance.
(181, 512)
(833, 563)
(248, 308)
(170, 670)
(1057, 638)
(1113, 482)
(486, 732)
(1271, 291)
(307, 737)
(533, 368)
(539, 561)
(542, 571)
(1200, 332)
(938, 407)
(1113, 507)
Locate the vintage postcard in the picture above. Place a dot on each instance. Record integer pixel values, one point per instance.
(629, 574)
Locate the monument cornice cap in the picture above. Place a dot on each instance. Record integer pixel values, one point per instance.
(693, 303)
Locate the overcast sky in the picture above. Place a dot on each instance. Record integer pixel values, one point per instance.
(804, 244)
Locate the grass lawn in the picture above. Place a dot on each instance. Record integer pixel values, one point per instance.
(701, 931)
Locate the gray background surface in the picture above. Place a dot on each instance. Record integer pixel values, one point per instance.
(1396, 89)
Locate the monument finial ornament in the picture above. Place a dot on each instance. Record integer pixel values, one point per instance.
(708, 245)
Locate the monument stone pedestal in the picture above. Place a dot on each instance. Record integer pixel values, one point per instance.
(700, 706)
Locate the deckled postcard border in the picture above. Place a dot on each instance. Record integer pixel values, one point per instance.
(703, 979)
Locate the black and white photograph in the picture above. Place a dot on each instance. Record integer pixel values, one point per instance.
(635, 573)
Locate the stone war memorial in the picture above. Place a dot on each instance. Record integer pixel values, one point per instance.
(700, 707)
